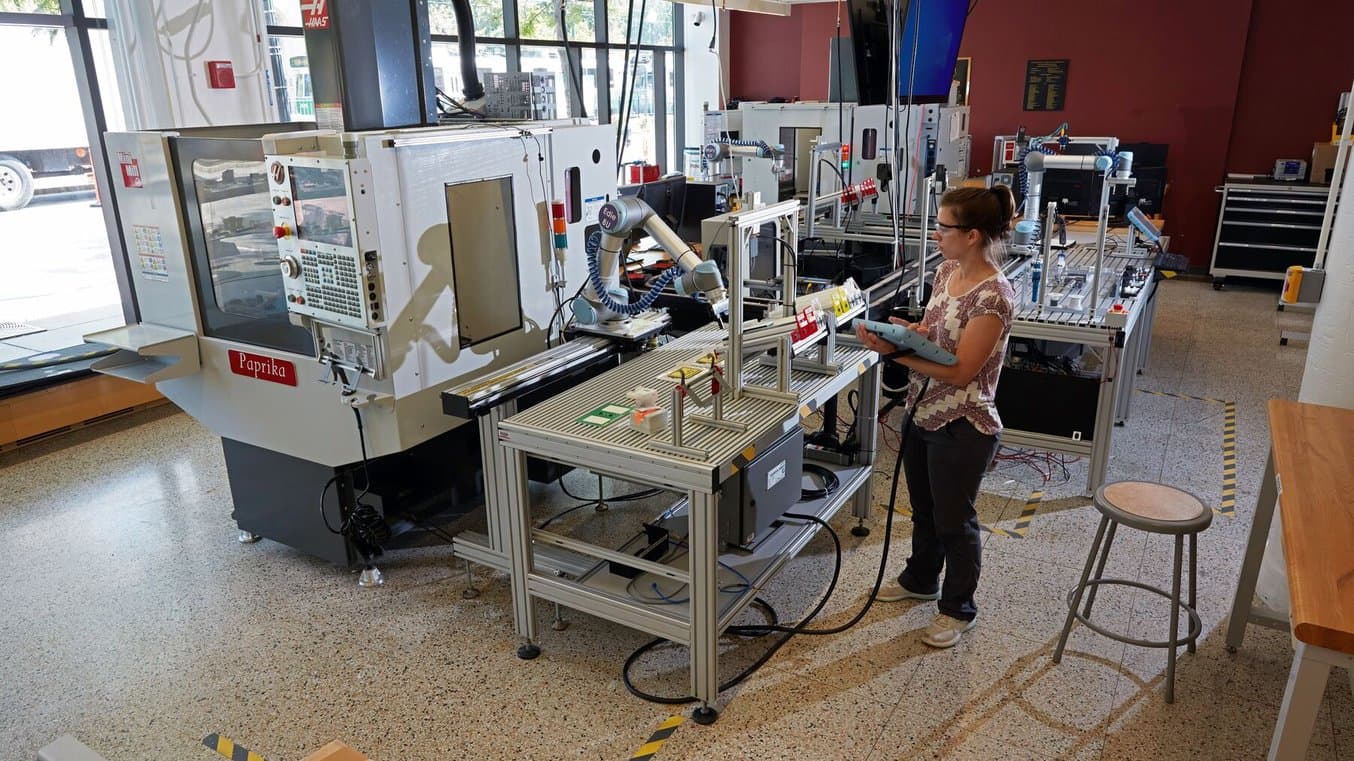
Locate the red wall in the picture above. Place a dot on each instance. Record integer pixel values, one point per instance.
(1158, 71)
(782, 56)
(1161, 71)
(1291, 80)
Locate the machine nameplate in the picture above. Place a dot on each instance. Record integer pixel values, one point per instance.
(263, 367)
(775, 475)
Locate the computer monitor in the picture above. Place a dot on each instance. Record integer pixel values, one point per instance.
(928, 48)
(1143, 225)
(665, 195)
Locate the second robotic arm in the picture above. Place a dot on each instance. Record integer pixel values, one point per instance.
(605, 301)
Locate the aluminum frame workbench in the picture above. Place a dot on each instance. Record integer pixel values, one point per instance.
(552, 430)
(1121, 340)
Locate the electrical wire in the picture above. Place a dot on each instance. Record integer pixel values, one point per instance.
(601, 498)
(628, 107)
(714, 35)
(783, 243)
(755, 630)
(625, 72)
(829, 480)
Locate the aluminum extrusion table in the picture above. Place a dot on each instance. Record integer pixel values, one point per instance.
(552, 430)
(1122, 340)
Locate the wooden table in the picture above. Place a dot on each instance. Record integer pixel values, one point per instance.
(1311, 473)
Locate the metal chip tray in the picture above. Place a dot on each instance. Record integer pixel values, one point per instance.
(474, 396)
(552, 429)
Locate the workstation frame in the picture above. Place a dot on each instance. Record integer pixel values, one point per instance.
(763, 399)
(1120, 339)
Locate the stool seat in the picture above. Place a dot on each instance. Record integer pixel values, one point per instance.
(1157, 508)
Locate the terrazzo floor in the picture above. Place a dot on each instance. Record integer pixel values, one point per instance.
(133, 620)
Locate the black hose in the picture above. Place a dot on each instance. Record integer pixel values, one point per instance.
(472, 89)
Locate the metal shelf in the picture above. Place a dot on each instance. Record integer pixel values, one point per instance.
(598, 588)
(147, 353)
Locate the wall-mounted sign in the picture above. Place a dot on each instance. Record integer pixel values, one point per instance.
(1046, 84)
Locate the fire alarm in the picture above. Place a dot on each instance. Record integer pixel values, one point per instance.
(220, 75)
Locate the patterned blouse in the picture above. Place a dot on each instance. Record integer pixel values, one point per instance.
(946, 316)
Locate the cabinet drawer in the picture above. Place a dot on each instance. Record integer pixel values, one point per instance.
(1263, 234)
(1242, 256)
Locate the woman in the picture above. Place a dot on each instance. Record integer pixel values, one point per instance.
(952, 434)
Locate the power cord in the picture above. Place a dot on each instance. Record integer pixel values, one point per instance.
(363, 524)
(601, 498)
(829, 480)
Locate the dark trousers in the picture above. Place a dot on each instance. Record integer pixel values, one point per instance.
(944, 470)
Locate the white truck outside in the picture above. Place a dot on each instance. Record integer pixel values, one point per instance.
(43, 141)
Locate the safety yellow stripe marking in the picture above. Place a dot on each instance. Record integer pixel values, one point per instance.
(1022, 524)
(1227, 503)
(226, 748)
(656, 740)
(1227, 506)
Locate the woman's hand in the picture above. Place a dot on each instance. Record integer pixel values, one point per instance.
(873, 342)
(915, 327)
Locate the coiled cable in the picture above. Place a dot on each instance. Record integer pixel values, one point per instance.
(629, 310)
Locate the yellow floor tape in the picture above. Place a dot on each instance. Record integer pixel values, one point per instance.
(1227, 503)
(226, 748)
(656, 740)
(1022, 524)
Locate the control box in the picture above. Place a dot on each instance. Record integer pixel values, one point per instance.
(760, 493)
(326, 276)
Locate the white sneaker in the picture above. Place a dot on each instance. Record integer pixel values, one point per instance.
(945, 631)
(895, 592)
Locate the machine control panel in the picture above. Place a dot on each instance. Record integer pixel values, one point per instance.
(325, 275)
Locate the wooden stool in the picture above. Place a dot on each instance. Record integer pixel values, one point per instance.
(1157, 509)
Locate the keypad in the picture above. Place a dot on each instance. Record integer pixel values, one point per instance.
(332, 282)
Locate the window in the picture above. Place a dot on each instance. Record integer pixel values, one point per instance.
(525, 35)
(61, 278)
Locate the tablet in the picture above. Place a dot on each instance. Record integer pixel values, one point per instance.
(908, 339)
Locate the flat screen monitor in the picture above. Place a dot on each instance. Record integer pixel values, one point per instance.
(928, 49)
(666, 196)
(932, 30)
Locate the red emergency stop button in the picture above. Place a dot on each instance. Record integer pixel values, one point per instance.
(281, 231)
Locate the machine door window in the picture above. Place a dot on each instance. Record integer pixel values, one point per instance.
(483, 234)
(237, 223)
(228, 211)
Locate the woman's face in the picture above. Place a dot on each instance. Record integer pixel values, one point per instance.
(954, 239)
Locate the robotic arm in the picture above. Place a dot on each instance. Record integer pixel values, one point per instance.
(604, 300)
(720, 150)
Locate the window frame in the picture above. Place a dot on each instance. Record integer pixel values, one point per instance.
(76, 26)
(600, 109)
